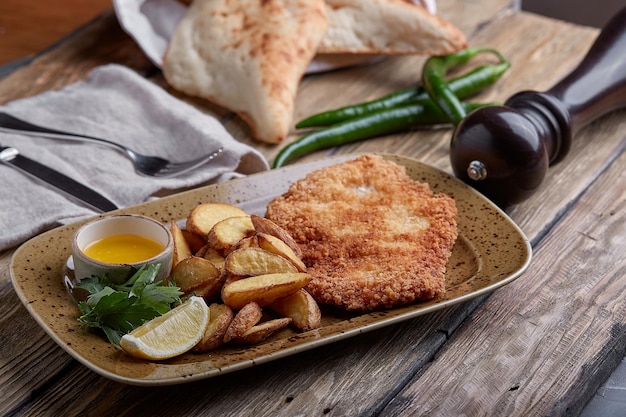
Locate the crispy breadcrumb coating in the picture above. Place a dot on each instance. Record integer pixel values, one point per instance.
(371, 236)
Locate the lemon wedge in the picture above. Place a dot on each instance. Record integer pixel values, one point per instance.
(170, 334)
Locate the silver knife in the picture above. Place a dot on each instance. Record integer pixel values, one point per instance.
(12, 157)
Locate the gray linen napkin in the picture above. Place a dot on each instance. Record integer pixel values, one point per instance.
(117, 104)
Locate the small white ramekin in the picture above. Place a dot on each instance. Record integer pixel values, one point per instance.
(85, 267)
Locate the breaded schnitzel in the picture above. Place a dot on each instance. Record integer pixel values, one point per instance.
(371, 236)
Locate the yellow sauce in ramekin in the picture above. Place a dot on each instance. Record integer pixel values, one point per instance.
(123, 249)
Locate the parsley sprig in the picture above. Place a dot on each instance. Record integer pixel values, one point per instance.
(117, 309)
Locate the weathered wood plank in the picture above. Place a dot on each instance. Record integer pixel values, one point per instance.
(545, 353)
(29, 358)
(100, 42)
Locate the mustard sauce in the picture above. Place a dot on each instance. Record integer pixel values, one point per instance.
(123, 249)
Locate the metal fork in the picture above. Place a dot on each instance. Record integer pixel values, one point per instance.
(151, 166)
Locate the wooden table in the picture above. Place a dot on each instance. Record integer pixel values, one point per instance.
(541, 345)
(28, 26)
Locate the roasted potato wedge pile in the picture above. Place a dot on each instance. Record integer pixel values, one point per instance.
(248, 269)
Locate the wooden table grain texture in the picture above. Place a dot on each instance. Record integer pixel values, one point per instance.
(541, 345)
(30, 26)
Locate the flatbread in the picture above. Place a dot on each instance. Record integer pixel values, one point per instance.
(247, 56)
(387, 27)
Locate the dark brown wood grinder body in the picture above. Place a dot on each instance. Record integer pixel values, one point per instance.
(504, 152)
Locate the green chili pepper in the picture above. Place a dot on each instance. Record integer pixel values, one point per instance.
(434, 79)
(374, 124)
(463, 86)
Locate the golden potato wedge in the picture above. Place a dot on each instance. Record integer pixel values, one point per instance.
(211, 290)
(262, 331)
(263, 225)
(263, 289)
(181, 247)
(256, 261)
(247, 242)
(277, 246)
(215, 257)
(195, 275)
(301, 308)
(195, 241)
(202, 251)
(204, 216)
(220, 317)
(248, 316)
(232, 278)
(227, 233)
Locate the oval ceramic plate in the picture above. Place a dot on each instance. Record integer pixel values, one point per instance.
(490, 252)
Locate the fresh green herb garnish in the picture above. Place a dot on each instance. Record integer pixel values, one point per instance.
(116, 309)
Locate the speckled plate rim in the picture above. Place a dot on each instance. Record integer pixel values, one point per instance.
(37, 269)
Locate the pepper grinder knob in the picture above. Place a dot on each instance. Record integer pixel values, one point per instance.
(505, 151)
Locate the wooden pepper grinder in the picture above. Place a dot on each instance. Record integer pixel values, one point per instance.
(504, 152)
